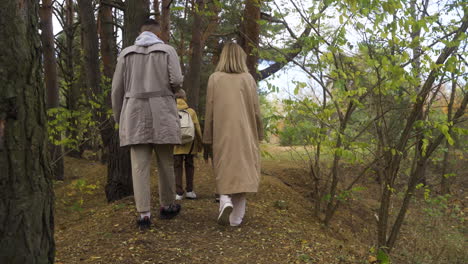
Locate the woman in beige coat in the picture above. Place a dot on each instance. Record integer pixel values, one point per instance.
(233, 126)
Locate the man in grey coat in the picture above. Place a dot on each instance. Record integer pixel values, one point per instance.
(146, 77)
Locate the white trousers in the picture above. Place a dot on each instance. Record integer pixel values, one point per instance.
(238, 201)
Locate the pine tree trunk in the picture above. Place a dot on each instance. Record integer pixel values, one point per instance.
(136, 12)
(90, 45)
(72, 88)
(250, 35)
(50, 78)
(109, 59)
(119, 178)
(27, 220)
(192, 80)
(107, 40)
(118, 159)
(165, 20)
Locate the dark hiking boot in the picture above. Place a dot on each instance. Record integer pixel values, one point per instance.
(169, 212)
(144, 223)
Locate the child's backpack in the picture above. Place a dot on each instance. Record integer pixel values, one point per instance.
(186, 126)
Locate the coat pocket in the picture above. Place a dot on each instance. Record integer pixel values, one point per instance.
(135, 121)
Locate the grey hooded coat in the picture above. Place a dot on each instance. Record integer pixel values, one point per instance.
(143, 87)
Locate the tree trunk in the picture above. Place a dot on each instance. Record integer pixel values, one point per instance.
(92, 73)
(333, 202)
(107, 41)
(192, 80)
(157, 10)
(72, 88)
(90, 45)
(50, 79)
(109, 59)
(166, 20)
(181, 50)
(136, 12)
(119, 177)
(444, 183)
(26, 232)
(118, 159)
(250, 35)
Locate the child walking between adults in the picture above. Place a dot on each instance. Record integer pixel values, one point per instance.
(184, 154)
(234, 128)
(146, 77)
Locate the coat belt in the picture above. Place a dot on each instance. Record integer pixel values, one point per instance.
(148, 94)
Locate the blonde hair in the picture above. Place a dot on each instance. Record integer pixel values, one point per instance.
(232, 59)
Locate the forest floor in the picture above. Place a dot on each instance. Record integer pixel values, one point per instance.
(279, 226)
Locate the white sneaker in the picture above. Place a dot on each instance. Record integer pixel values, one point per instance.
(223, 218)
(179, 197)
(190, 195)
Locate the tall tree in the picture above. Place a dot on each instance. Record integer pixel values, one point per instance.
(119, 178)
(250, 35)
(136, 12)
(50, 78)
(67, 61)
(118, 159)
(90, 45)
(192, 80)
(166, 20)
(26, 233)
(107, 40)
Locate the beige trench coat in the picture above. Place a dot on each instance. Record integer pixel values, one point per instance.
(233, 125)
(143, 88)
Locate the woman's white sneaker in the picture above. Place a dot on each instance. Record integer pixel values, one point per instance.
(179, 197)
(223, 218)
(190, 195)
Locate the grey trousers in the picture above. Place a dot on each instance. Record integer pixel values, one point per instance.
(141, 168)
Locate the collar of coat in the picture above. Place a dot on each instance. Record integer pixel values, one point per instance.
(161, 47)
(181, 104)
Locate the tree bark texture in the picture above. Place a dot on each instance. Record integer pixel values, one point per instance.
(136, 12)
(50, 79)
(192, 79)
(119, 177)
(250, 35)
(26, 197)
(73, 88)
(109, 60)
(90, 45)
(107, 40)
(166, 20)
(118, 159)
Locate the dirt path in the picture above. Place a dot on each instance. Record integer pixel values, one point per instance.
(98, 232)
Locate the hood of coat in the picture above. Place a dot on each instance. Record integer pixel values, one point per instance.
(147, 38)
(181, 104)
